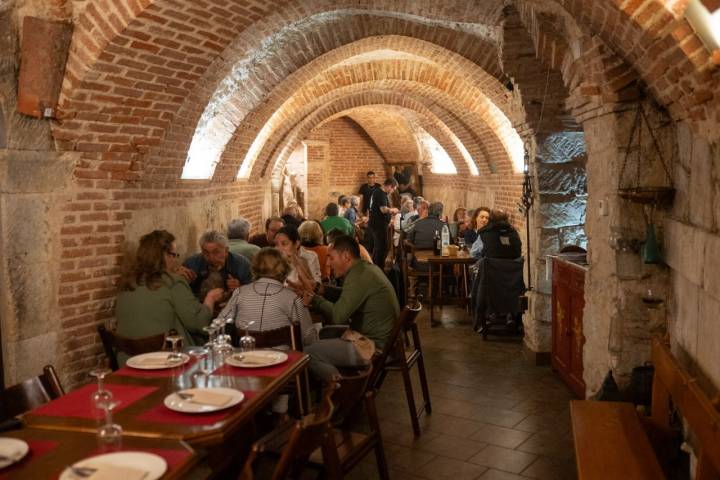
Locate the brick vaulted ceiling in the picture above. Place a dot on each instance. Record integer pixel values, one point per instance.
(146, 77)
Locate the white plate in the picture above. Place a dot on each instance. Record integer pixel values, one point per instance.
(257, 359)
(154, 465)
(14, 449)
(137, 361)
(174, 402)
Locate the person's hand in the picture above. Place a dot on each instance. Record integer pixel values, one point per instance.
(186, 273)
(232, 283)
(394, 210)
(307, 297)
(214, 296)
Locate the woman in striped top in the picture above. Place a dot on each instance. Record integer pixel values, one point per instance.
(267, 301)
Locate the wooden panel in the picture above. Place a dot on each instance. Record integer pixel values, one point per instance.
(567, 324)
(610, 442)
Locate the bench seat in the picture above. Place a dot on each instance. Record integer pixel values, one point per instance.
(610, 442)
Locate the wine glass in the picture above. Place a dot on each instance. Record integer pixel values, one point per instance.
(200, 354)
(101, 397)
(247, 342)
(461, 244)
(110, 434)
(176, 356)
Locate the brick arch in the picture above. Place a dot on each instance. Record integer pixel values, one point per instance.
(371, 95)
(467, 95)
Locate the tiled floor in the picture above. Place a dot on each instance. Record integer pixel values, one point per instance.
(495, 416)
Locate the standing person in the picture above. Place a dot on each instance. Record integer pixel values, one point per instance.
(238, 233)
(153, 299)
(380, 215)
(366, 191)
(267, 239)
(215, 266)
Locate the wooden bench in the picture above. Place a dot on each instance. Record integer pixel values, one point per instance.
(613, 441)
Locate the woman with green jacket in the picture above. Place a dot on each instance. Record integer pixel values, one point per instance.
(154, 300)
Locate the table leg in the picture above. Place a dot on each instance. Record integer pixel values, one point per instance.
(440, 286)
(430, 292)
(466, 300)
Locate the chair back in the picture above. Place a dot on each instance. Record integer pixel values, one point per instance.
(395, 343)
(290, 335)
(30, 394)
(114, 343)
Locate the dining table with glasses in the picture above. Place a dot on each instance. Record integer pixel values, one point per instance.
(174, 397)
(438, 263)
(69, 455)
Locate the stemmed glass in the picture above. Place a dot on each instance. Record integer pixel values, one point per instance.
(247, 342)
(110, 434)
(461, 244)
(200, 354)
(176, 356)
(101, 397)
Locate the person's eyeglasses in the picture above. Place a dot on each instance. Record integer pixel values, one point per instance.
(173, 254)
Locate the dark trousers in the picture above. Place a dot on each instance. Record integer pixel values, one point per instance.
(380, 246)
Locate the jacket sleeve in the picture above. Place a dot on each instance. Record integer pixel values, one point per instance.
(191, 313)
(339, 312)
(301, 314)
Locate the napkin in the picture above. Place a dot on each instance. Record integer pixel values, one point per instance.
(251, 358)
(213, 399)
(107, 471)
(153, 361)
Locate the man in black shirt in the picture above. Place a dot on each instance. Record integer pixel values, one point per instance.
(366, 191)
(380, 214)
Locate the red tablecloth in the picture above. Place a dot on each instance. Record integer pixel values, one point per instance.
(37, 449)
(161, 414)
(273, 371)
(77, 403)
(164, 372)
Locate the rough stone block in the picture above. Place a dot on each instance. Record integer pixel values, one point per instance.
(708, 346)
(27, 229)
(701, 185)
(33, 299)
(37, 172)
(562, 178)
(562, 147)
(556, 215)
(549, 241)
(685, 248)
(26, 358)
(685, 311)
(573, 236)
(711, 276)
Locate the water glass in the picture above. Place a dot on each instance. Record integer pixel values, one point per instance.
(110, 434)
(200, 354)
(176, 356)
(247, 342)
(101, 397)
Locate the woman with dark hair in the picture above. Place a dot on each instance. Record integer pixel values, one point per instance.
(267, 300)
(480, 218)
(305, 266)
(459, 224)
(154, 300)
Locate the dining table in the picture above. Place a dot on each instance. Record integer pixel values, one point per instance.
(142, 413)
(51, 451)
(439, 263)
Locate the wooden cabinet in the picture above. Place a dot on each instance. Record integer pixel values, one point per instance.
(568, 291)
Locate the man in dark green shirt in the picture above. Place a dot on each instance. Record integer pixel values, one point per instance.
(367, 304)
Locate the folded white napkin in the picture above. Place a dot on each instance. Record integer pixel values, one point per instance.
(205, 397)
(256, 358)
(107, 471)
(154, 361)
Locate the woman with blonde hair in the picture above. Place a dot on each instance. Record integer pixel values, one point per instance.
(154, 300)
(267, 301)
(311, 238)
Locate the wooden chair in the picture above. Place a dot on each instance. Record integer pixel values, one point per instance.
(407, 252)
(30, 394)
(351, 447)
(114, 343)
(406, 353)
(291, 336)
(296, 441)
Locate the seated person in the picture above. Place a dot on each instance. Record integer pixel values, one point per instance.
(215, 266)
(351, 209)
(458, 225)
(422, 236)
(238, 233)
(311, 238)
(334, 221)
(292, 214)
(332, 235)
(499, 238)
(480, 221)
(267, 301)
(367, 304)
(422, 207)
(304, 264)
(267, 239)
(153, 299)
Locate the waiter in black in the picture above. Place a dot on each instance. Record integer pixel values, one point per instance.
(380, 214)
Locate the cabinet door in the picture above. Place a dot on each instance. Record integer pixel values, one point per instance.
(576, 342)
(561, 352)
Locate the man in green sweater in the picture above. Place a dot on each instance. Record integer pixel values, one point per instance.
(367, 304)
(335, 222)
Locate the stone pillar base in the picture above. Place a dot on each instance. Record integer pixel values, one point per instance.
(535, 358)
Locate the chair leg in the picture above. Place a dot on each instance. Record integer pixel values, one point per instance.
(410, 400)
(424, 384)
(381, 461)
(298, 387)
